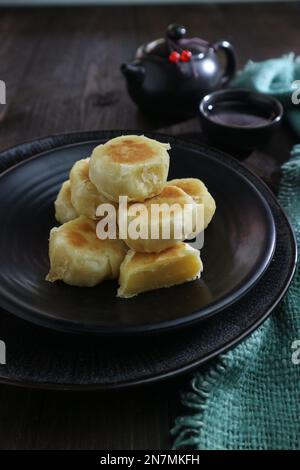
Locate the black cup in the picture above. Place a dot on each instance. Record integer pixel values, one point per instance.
(239, 120)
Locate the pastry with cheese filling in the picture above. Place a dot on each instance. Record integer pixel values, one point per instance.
(64, 209)
(130, 165)
(84, 195)
(160, 222)
(79, 258)
(141, 272)
(199, 192)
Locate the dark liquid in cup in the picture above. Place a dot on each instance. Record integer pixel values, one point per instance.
(239, 114)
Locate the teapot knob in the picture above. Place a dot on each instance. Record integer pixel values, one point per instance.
(176, 31)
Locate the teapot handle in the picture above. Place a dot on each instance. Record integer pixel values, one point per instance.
(230, 59)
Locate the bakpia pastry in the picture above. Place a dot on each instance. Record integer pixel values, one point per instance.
(79, 258)
(199, 192)
(150, 252)
(130, 165)
(64, 209)
(141, 272)
(160, 229)
(84, 195)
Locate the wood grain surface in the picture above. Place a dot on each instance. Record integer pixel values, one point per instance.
(61, 68)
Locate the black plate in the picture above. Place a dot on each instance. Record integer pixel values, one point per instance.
(238, 247)
(41, 358)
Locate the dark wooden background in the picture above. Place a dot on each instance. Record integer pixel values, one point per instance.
(61, 67)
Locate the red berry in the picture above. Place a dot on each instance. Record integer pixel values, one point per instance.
(185, 56)
(174, 57)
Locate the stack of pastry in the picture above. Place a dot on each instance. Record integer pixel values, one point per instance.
(136, 167)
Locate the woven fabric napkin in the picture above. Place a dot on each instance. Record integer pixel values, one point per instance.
(279, 77)
(249, 398)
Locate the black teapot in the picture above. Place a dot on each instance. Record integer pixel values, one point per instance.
(170, 76)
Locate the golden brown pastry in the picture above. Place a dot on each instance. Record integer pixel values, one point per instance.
(64, 209)
(79, 258)
(199, 192)
(84, 195)
(130, 165)
(142, 272)
(160, 220)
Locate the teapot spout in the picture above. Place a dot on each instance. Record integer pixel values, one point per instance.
(134, 72)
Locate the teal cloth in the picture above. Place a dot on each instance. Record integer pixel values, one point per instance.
(249, 398)
(275, 77)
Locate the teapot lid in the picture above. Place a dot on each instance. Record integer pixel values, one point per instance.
(174, 47)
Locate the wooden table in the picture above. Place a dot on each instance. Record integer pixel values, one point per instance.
(61, 67)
